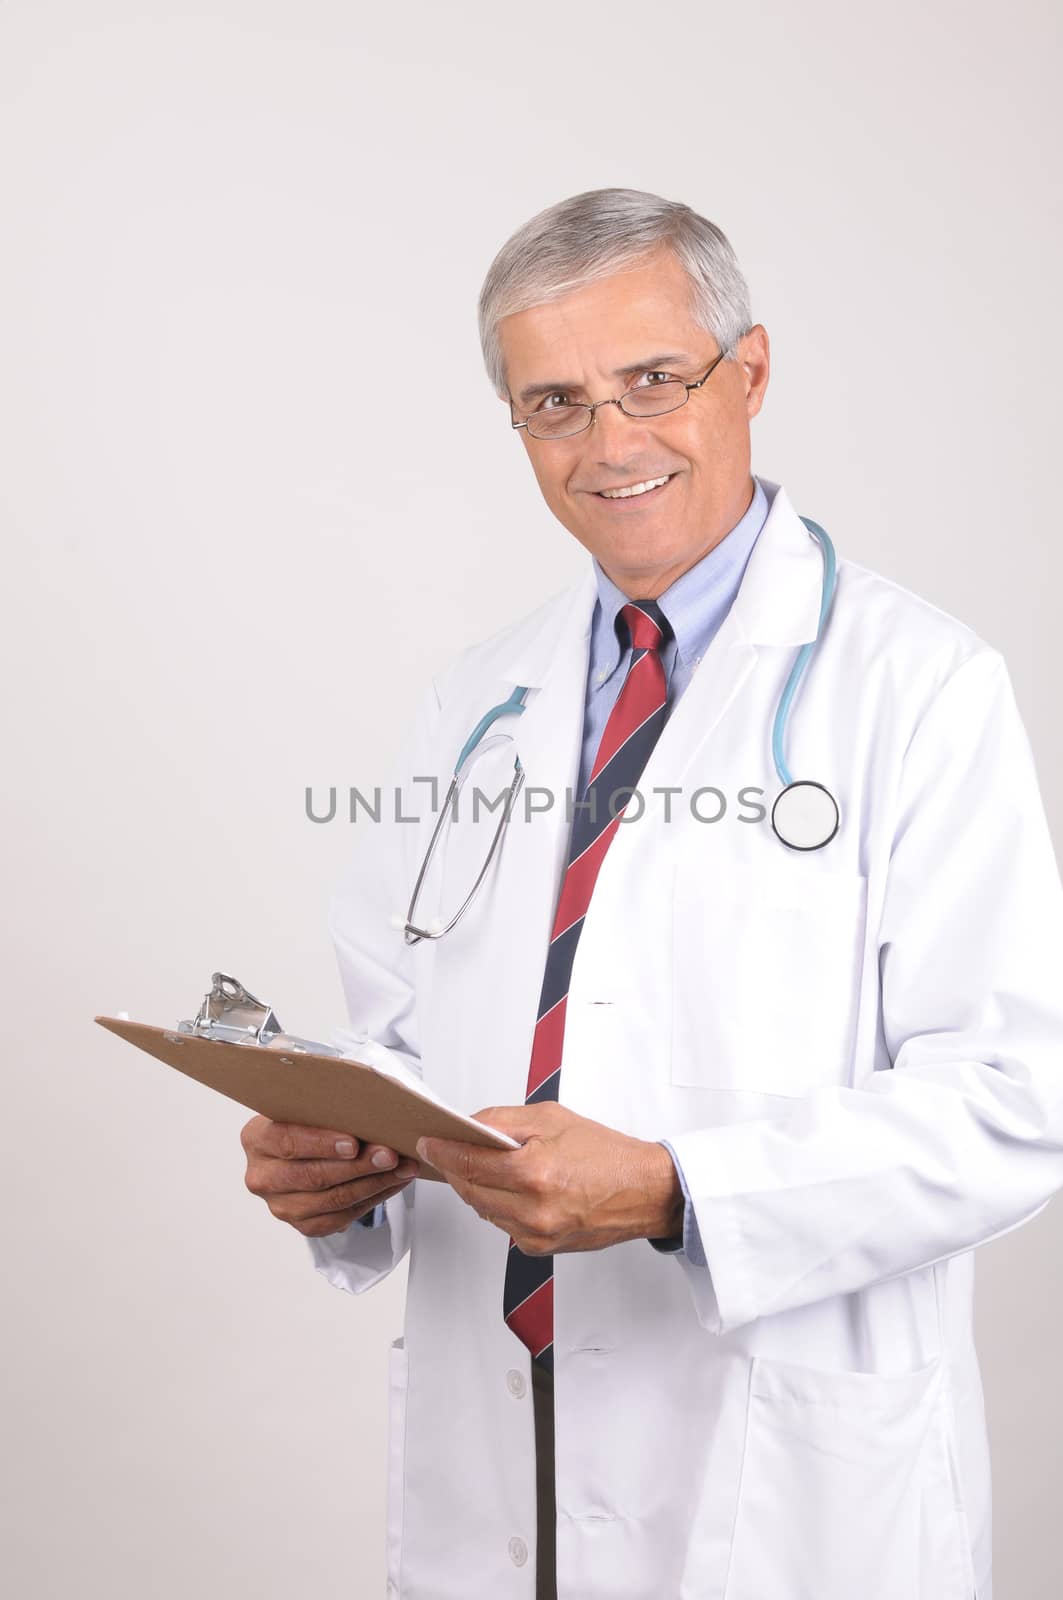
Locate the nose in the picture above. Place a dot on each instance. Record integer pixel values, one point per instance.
(614, 437)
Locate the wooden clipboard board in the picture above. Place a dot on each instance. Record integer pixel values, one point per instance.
(315, 1090)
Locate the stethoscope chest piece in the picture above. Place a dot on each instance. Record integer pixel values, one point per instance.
(805, 815)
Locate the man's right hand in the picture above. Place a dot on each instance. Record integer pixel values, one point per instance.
(307, 1182)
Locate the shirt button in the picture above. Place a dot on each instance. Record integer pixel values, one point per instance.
(518, 1552)
(516, 1384)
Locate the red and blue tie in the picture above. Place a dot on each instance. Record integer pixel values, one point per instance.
(627, 739)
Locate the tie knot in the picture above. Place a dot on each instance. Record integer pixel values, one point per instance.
(646, 623)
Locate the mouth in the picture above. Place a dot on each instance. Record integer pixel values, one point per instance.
(627, 496)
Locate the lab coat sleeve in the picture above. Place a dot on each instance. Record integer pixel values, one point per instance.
(962, 1140)
(376, 971)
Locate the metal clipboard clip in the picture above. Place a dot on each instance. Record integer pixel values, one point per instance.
(232, 1014)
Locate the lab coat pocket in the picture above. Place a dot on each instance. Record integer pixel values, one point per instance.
(842, 1478)
(766, 971)
(397, 1390)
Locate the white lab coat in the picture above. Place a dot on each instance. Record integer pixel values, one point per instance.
(856, 1052)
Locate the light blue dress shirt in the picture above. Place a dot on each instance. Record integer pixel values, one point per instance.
(695, 605)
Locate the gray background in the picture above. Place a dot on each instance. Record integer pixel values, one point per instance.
(224, 234)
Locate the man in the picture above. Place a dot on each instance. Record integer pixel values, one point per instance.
(769, 1099)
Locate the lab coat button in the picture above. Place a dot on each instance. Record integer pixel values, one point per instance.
(516, 1384)
(518, 1552)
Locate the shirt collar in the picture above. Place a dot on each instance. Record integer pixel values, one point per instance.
(694, 604)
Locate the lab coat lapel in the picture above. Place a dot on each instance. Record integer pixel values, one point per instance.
(554, 667)
(777, 606)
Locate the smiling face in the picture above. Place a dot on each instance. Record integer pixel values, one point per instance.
(594, 344)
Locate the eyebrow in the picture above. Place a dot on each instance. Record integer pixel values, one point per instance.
(535, 391)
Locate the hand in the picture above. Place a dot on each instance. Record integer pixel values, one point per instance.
(318, 1179)
(573, 1185)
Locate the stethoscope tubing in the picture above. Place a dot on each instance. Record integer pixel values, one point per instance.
(515, 705)
(830, 568)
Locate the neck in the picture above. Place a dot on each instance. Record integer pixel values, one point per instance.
(650, 584)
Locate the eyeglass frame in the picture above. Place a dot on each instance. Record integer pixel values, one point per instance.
(619, 402)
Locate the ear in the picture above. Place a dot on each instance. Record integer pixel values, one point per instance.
(754, 358)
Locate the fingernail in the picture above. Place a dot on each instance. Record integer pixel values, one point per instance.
(383, 1158)
(421, 1149)
(344, 1147)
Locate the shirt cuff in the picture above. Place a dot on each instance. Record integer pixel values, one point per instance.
(690, 1244)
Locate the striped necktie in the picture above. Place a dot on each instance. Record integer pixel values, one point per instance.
(627, 739)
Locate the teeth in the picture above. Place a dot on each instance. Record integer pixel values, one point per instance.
(635, 488)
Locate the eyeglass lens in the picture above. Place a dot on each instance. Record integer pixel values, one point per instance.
(558, 421)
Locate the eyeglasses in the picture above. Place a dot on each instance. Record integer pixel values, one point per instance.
(559, 422)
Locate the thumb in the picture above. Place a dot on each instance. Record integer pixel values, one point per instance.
(520, 1122)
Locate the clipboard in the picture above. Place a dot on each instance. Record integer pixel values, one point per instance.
(236, 1046)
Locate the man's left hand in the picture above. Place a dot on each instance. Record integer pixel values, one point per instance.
(574, 1184)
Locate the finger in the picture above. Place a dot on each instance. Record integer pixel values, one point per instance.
(375, 1159)
(515, 1216)
(365, 1192)
(321, 1227)
(338, 1221)
(520, 1122)
(271, 1175)
(470, 1163)
(360, 1189)
(293, 1141)
(538, 1120)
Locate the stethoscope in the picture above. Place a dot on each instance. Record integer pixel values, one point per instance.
(804, 816)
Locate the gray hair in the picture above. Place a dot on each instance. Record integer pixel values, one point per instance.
(595, 234)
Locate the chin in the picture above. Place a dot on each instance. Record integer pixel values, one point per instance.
(642, 550)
